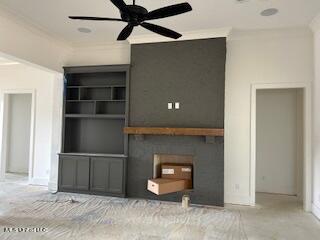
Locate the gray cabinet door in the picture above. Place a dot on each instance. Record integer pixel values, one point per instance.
(82, 173)
(99, 174)
(67, 172)
(107, 175)
(74, 173)
(116, 176)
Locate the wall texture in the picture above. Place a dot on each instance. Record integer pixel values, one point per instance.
(193, 74)
(316, 119)
(189, 72)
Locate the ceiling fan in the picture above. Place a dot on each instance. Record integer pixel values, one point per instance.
(136, 15)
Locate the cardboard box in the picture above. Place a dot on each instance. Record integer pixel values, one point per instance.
(176, 171)
(162, 186)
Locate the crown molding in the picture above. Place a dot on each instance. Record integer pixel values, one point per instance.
(266, 34)
(315, 24)
(191, 35)
(102, 45)
(28, 24)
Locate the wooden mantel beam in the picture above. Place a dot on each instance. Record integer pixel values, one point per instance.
(216, 132)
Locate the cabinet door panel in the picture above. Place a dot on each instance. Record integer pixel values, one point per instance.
(99, 174)
(82, 174)
(67, 172)
(115, 176)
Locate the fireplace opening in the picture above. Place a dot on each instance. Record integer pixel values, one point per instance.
(171, 173)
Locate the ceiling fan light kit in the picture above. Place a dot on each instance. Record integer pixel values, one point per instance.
(136, 15)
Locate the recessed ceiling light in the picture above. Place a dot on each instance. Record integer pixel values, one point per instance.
(84, 30)
(269, 12)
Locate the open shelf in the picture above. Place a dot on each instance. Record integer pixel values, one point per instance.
(95, 79)
(94, 135)
(95, 93)
(85, 107)
(95, 86)
(108, 116)
(95, 111)
(95, 155)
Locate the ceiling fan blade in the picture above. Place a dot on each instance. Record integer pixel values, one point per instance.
(95, 18)
(169, 11)
(125, 33)
(161, 30)
(119, 4)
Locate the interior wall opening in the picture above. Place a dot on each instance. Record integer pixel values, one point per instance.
(279, 145)
(18, 136)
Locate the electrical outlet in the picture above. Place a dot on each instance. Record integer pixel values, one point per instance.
(177, 105)
(170, 106)
(237, 186)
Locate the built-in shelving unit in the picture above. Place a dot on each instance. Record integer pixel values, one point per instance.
(94, 153)
(95, 109)
(96, 100)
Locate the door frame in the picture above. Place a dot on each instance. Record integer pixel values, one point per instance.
(307, 137)
(4, 98)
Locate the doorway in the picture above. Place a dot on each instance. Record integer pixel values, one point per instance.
(17, 136)
(279, 142)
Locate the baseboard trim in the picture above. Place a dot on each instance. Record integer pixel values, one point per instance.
(39, 181)
(316, 211)
(238, 199)
(53, 187)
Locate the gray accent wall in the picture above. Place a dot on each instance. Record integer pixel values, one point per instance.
(193, 74)
(189, 72)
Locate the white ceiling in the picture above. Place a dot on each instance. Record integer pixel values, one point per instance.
(51, 16)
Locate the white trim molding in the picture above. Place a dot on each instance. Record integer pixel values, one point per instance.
(39, 181)
(315, 24)
(316, 211)
(234, 199)
(307, 105)
(53, 186)
(191, 35)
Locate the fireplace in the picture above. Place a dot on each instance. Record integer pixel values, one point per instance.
(148, 153)
(161, 159)
(171, 174)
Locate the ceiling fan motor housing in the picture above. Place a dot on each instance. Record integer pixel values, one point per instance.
(134, 14)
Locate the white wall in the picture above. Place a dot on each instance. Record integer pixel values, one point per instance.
(277, 127)
(19, 129)
(270, 56)
(16, 77)
(316, 119)
(110, 54)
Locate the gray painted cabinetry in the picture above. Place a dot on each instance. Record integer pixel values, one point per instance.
(97, 175)
(94, 147)
(74, 173)
(107, 175)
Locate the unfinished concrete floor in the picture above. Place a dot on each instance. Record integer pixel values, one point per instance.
(94, 217)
